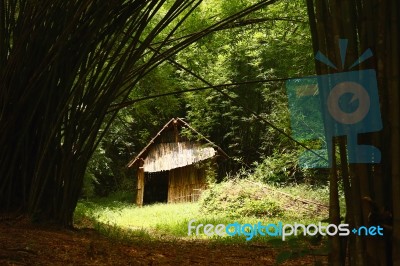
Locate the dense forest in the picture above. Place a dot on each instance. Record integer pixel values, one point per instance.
(84, 85)
(240, 72)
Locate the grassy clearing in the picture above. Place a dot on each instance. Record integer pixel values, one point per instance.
(125, 220)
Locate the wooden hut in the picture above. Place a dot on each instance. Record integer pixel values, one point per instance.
(172, 167)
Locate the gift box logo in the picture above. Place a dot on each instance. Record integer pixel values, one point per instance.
(340, 104)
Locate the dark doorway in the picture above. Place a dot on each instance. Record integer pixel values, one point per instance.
(155, 187)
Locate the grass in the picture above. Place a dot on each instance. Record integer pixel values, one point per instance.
(121, 220)
(124, 220)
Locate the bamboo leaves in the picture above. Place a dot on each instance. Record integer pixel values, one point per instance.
(63, 64)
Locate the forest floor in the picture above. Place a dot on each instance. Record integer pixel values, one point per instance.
(22, 243)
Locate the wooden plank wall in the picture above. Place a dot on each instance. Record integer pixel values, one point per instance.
(140, 186)
(186, 184)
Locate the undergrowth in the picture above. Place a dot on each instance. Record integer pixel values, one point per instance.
(242, 197)
(240, 201)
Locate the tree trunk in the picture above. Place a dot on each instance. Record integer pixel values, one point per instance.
(373, 191)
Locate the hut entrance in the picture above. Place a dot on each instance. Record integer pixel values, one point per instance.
(156, 187)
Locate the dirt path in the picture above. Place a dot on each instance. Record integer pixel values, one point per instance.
(24, 244)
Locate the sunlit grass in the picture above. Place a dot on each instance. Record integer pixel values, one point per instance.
(171, 220)
(124, 221)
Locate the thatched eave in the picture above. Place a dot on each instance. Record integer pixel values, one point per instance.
(172, 152)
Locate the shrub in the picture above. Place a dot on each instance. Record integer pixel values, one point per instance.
(283, 168)
(237, 198)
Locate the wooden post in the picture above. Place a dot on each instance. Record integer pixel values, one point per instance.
(176, 131)
(140, 185)
(171, 185)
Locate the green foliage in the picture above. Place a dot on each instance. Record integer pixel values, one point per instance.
(132, 129)
(168, 222)
(234, 200)
(65, 68)
(88, 190)
(282, 168)
(242, 201)
(210, 171)
(276, 47)
(267, 44)
(248, 198)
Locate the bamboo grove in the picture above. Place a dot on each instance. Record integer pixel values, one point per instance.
(372, 192)
(67, 67)
(62, 65)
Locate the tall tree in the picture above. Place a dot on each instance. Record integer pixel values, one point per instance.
(62, 66)
(372, 191)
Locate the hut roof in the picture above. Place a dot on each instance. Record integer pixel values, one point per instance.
(158, 156)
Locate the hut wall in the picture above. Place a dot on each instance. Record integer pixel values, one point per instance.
(186, 184)
(140, 186)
